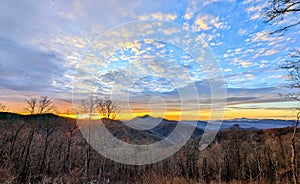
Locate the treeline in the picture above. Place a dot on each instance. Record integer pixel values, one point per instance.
(50, 149)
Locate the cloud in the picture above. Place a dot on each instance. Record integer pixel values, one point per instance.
(234, 97)
(270, 52)
(206, 22)
(19, 20)
(227, 70)
(242, 31)
(158, 16)
(200, 23)
(42, 43)
(244, 64)
(255, 8)
(146, 59)
(27, 69)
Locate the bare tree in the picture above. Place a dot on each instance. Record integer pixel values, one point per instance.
(72, 127)
(293, 68)
(108, 108)
(45, 105)
(3, 107)
(89, 106)
(31, 105)
(48, 127)
(294, 152)
(40, 105)
(279, 10)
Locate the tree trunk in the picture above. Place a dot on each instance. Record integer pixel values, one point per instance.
(67, 160)
(25, 166)
(87, 160)
(45, 151)
(294, 152)
(15, 138)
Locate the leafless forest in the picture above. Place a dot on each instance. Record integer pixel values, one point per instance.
(50, 149)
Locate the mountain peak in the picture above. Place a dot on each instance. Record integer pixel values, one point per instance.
(243, 119)
(145, 116)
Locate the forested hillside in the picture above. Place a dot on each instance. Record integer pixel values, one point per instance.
(51, 149)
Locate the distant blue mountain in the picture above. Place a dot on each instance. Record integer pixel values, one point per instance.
(159, 126)
(245, 123)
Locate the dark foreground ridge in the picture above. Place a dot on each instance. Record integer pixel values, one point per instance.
(50, 149)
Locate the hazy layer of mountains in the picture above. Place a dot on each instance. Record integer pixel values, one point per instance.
(243, 123)
(147, 129)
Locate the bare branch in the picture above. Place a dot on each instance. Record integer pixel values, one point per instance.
(108, 108)
(45, 105)
(90, 105)
(31, 105)
(277, 11)
(3, 107)
(284, 28)
(293, 72)
(39, 105)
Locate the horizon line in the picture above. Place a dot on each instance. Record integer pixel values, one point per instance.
(73, 116)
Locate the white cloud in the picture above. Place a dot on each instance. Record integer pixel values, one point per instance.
(158, 16)
(227, 70)
(245, 64)
(270, 52)
(242, 31)
(207, 22)
(201, 23)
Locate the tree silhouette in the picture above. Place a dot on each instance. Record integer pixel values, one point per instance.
(108, 108)
(40, 105)
(31, 105)
(279, 10)
(293, 74)
(45, 105)
(3, 107)
(89, 106)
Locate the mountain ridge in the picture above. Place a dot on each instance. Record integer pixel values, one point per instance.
(245, 123)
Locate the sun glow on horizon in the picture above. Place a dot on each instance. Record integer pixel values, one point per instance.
(261, 111)
(228, 115)
(45, 60)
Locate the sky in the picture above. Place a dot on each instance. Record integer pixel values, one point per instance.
(54, 48)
